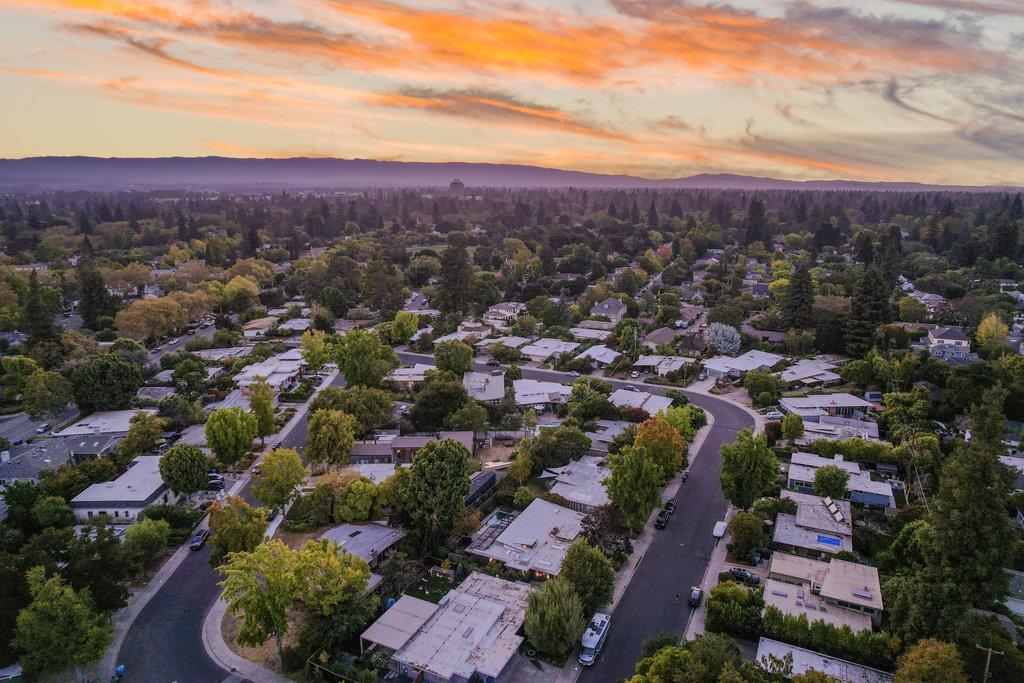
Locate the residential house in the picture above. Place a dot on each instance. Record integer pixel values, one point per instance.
(659, 337)
(219, 355)
(469, 635)
(950, 344)
(662, 365)
(474, 331)
(509, 342)
(104, 423)
(610, 308)
(295, 325)
(862, 489)
(25, 461)
(280, 370)
(688, 315)
(836, 592)
(599, 356)
(259, 327)
(728, 366)
(540, 395)
(543, 349)
(122, 499)
(759, 290)
(811, 408)
(587, 334)
(581, 482)
(652, 404)
(369, 541)
(535, 542)
(820, 527)
(804, 660)
(484, 386)
(835, 428)
(392, 448)
(503, 315)
(811, 372)
(605, 432)
(408, 378)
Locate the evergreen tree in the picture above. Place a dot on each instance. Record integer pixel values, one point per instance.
(93, 300)
(798, 301)
(456, 274)
(756, 223)
(36, 318)
(870, 309)
(652, 216)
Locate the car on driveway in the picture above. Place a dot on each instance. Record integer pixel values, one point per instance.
(670, 506)
(215, 485)
(661, 520)
(199, 539)
(631, 388)
(741, 575)
(696, 595)
(634, 374)
(774, 415)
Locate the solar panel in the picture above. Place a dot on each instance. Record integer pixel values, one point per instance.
(863, 593)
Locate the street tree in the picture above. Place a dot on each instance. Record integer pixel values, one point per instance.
(261, 401)
(261, 587)
(554, 618)
(371, 408)
(331, 437)
(663, 443)
(281, 472)
(634, 485)
(831, 481)
(314, 349)
(229, 433)
(746, 533)
(237, 526)
(748, 468)
(591, 575)
(433, 496)
(454, 356)
(59, 629)
(45, 393)
(363, 358)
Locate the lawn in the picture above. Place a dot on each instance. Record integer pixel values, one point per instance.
(430, 588)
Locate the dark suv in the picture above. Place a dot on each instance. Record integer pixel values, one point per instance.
(661, 520)
(741, 575)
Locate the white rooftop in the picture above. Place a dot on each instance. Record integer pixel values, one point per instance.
(530, 392)
(581, 481)
(751, 360)
(807, 660)
(796, 600)
(140, 482)
(587, 334)
(807, 368)
(277, 369)
(399, 623)
(545, 347)
(483, 386)
(651, 404)
(415, 373)
(106, 422)
(367, 541)
(537, 539)
(599, 353)
(510, 342)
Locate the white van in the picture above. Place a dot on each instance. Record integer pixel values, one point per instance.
(593, 638)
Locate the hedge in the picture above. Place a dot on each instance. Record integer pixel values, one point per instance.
(877, 650)
(856, 450)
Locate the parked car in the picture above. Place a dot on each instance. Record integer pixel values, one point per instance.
(256, 469)
(272, 515)
(574, 373)
(774, 415)
(719, 530)
(661, 520)
(696, 595)
(494, 363)
(686, 474)
(670, 506)
(634, 374)
(42, 429)
(215, 485)
(631, 388)
(199, 539)
(741, 575)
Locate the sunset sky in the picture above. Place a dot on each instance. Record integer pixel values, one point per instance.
(927, 90)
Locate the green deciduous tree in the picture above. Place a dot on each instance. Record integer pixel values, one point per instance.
(831, 481)
(433, 496)
(931, 660)
(634, 485)
(992, 336)
(237, 526)
(403, 326)
(792, 426)
(45, 393)
(356, 501)
(440, 395)
(591, 575)
(144, 539)
(554, 618)
(105, 381)
(331, 437)
(229, 433)
(314, 349)
(261, 401)
(470, 417)
(454, 356)
(184, 468)
(748, 468)
(59, 629)
(746, 533)
(363, 358)
(189, 376)
(281, 472)
(371, 407)
(663, 443)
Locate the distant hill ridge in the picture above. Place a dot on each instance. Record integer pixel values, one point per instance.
(106, 173)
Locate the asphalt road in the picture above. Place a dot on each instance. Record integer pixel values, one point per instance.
(679, 554)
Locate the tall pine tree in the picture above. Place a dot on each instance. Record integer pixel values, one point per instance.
(870, 309)
(798, 301)
(36, 317)
(93, 300)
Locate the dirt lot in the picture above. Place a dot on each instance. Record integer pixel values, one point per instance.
(495, 454)
(266, 654)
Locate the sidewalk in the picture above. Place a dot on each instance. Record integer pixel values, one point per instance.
(213, 642)
(716, 565)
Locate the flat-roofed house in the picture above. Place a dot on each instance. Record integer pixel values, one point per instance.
(804, 660)
(540, 395)
(821, 526)
(410, 377)
(837, 592)
(810, 408)
(122, 499)
(535, 542)
(542, 349)
(663, 365)
(862, 489)
(599, 355)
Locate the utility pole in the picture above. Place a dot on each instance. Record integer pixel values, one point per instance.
(988, 659)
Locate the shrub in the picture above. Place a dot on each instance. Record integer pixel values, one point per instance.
(522, 498)
(735, 611)
(878, 650)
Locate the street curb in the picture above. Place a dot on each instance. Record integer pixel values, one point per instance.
(225, 657)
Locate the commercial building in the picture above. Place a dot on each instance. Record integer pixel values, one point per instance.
(837, 592)
(804, 660)
(471, 634)
(652, 404)
(581, 482)
(821, 527)
(122, 499)
(535, 542)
